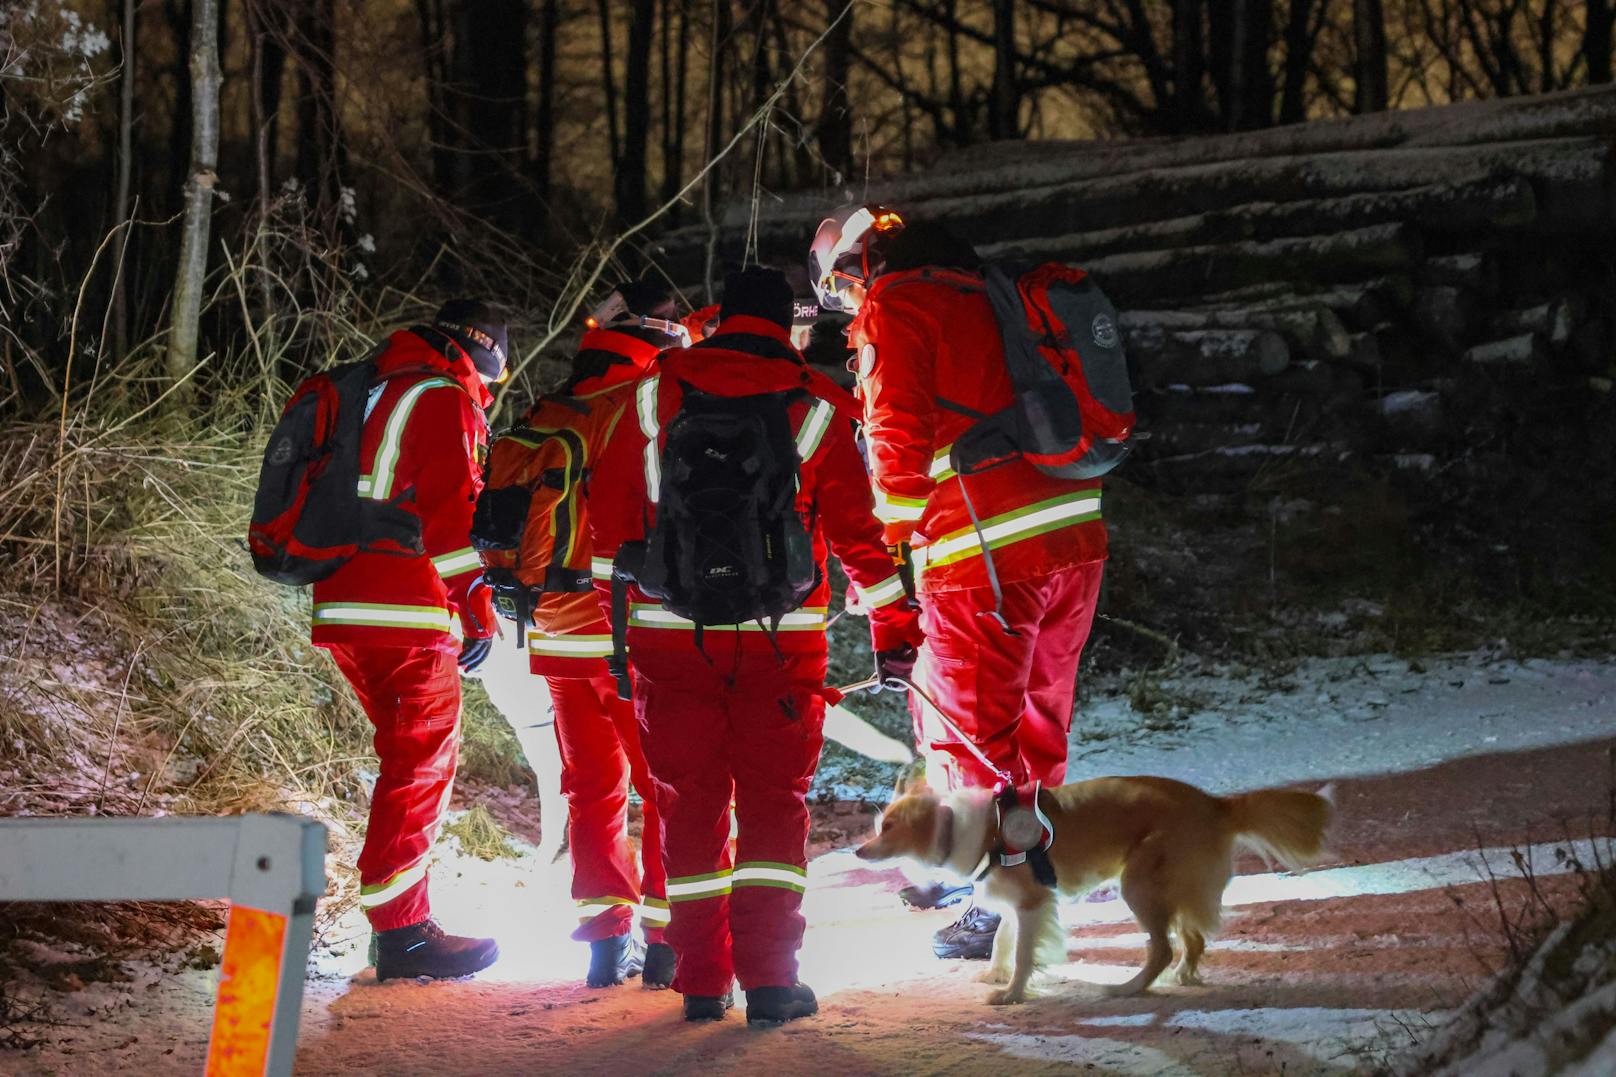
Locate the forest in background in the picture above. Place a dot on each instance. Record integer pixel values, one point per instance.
(368, 157)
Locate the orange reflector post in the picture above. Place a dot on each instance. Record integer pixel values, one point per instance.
(249, 977)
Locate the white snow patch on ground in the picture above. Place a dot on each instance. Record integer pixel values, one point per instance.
(1236, 728)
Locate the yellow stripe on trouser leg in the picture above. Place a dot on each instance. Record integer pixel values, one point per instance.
(393, 886)
(696, 887)
(654, 912)
(770, 873)
(589, 908)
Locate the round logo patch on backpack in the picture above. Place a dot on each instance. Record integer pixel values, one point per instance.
(1104, 330)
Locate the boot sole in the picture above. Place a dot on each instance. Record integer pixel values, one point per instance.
(776, 1020)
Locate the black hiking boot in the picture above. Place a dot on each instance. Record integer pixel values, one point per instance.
(659, 967)
(937, 895)
(613, 960)
(970, 937)
(708, 1007)
(768, 1006)
(424, 949)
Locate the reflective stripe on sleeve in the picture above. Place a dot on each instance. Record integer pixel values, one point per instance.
(813, 429)
(941, 467)
(453, 564)
(696, 887)
(1010, 527)
(770, 873)
(647, 615)
(600, 568)
(381, 475)
(645, 404)
(381, 893)
(881, 594)
(383, 615)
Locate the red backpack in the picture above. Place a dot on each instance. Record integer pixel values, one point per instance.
(1072, 410)
(309, 518)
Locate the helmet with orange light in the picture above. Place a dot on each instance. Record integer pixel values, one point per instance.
(642, 304)
(846, 252)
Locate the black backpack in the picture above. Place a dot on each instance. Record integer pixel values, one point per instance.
(728, 545)
(309, 518)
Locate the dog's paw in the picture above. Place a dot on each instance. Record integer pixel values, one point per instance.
(1008, 997)
(1189, 978)
(993, 976)
(1123, 990)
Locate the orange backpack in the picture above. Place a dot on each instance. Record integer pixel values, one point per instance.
(530, 523)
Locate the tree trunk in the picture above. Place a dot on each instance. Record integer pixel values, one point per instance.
(673, 152)
(193, 259)
(835, 111)
(268, 60)
(126, 126)
(1205, 356)
(490, 96)
(1004, 115)
(636, 114)
(543, 161)
(1598, 21)
(1369, 92)
(1301, 35)
(715, 134)
(1189, 66)
(321, 153)
(609, 83)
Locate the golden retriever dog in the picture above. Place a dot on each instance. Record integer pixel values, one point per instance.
(1171, 845)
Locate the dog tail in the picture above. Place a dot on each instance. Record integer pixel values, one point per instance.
(1285, 824)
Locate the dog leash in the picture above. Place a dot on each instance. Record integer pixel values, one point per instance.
(836, 695)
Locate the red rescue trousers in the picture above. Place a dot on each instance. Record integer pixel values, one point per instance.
(600, 757)
(412, 696)
(1011, 695)
(747, 726)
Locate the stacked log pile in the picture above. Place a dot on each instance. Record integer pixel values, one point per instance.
(1326, 289)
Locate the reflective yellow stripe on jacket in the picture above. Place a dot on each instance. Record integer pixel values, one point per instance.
(1051, 514)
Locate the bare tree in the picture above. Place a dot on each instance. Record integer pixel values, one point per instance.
(1598, 20)
(630, 175)
(126, 161)
(1370, 85)
(1004, 112)
(544, 156)
(193, 259)
(835, 128)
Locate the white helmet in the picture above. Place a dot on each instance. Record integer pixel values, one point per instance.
(841, 253)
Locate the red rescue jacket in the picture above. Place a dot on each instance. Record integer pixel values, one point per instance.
(425, 437)
(745, 356)
(580, 649)
(927, 335)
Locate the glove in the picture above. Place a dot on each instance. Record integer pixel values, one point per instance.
(894, 668)
(474, 652)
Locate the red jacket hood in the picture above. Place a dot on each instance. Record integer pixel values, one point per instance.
(737, 371)
(407, 350)
(639, 356)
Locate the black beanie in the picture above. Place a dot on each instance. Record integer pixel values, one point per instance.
(648, 298)
(759, 292)
(474, 326)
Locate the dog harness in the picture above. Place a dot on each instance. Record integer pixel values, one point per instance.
(1025, 833)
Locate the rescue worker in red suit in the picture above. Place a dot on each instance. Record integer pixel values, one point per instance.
(1006, 605)
(401, 628)
(741, 715)
(597, 731)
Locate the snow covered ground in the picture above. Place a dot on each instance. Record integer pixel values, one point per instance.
(1318, 974)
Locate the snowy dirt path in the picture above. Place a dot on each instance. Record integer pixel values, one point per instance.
(1316, 974)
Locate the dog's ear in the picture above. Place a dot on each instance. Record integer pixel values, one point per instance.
(911, 779)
